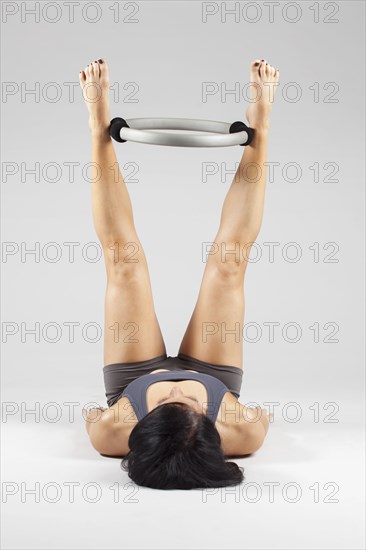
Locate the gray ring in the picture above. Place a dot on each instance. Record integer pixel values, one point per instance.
(143, 130)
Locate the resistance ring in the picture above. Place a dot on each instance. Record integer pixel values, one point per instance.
(146, 130)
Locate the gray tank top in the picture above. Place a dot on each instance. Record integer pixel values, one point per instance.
(136, 390)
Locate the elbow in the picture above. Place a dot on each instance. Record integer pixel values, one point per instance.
(254, 438)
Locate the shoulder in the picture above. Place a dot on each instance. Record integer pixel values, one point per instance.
(109, 432)
(241, 430)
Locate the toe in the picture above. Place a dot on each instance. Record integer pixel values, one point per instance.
(91, 70)
(262, 69)
(254, 64)
(103, 67)
(96, 68)
(86, 71)
(82, 77)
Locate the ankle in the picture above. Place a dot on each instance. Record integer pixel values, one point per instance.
(263, 125)
(100, 134)
(260, 135)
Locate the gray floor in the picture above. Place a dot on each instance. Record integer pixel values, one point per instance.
(302, 490)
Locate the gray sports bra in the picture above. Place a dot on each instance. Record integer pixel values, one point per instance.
(136, 390)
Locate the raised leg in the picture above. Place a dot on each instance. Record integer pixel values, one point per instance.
(214, 333)
(131, 330)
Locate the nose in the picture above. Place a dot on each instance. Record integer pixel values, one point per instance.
(176, 391)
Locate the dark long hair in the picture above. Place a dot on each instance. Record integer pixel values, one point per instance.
(174, 447)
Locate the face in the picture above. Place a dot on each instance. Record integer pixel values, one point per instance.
(176, 394)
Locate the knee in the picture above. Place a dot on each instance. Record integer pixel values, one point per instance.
(229, 260)
(123, 265)
(228, 272)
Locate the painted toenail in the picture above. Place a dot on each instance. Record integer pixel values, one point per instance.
(100, 61)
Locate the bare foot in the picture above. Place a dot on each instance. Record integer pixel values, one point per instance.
(263, 78)
(94, 82)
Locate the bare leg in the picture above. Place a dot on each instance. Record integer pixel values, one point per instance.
(214, 333)
(131, 331)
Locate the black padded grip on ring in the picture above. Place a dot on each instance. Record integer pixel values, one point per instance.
(239, 126)
(115, 128)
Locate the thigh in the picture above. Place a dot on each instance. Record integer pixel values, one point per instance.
(214, 333)
(131, 329)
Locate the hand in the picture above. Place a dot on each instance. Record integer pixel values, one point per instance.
(266, 414)
(89, 417)
(253, 414)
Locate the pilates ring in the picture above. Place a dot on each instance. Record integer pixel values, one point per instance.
(146, 130)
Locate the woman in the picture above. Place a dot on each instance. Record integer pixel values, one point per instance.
(174, 419)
